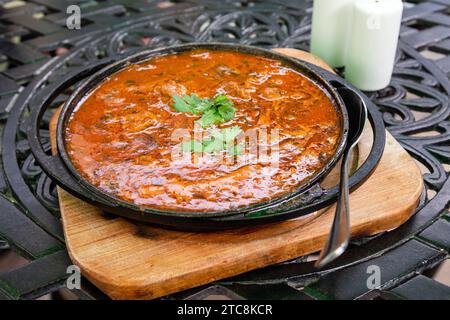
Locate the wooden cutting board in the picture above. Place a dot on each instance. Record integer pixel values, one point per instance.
(129, 260)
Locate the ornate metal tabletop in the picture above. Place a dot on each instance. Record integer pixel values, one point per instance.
(37, 50)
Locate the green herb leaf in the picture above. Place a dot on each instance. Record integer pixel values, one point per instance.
(193, 103)
(181, 104)
(219, 140)
(213, 145)
(192, 146)
(213, 112)
(224, 107)
(227, 112)
(229, 134)
(209, 118)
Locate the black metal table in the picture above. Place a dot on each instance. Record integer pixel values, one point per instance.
(415, 109)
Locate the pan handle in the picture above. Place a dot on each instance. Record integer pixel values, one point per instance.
(53, 165)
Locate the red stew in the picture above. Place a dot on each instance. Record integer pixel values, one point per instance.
(121, 136)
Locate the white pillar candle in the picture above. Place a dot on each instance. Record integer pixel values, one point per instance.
(331, 21)
(373, 43)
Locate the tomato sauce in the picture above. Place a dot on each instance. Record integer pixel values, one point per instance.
(121, 137)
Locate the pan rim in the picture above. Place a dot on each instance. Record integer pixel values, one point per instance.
(91, 83)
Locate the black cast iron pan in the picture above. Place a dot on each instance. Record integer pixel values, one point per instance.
(305, 199)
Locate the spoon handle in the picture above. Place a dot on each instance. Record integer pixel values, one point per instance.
(340, 230)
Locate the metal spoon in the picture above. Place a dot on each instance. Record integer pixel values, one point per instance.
(340, 230)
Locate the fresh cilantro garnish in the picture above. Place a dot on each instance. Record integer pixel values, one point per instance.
(214, 111)
(186, 103)
(219, 140)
